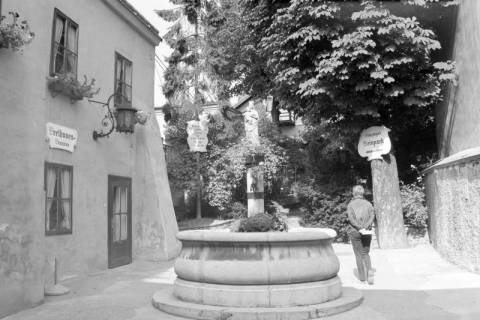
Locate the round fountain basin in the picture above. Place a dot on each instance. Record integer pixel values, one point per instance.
(263, 258)
(258, 296)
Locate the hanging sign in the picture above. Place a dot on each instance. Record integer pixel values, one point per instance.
(60, 137)
(269, 103)
(374, 142)
(197, 136)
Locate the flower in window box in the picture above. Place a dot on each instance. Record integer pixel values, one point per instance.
(142, 117)
(71, 87)
(14, 34)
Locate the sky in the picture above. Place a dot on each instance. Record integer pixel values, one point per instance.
(146, 8)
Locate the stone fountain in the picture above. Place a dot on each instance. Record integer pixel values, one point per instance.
(265, 275)
(256, 275)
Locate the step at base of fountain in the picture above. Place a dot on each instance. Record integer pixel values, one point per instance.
(248, 296)
(165, 301)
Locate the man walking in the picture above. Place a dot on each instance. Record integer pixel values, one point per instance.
(360, 218)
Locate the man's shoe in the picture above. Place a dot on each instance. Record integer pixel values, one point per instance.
(370, 277)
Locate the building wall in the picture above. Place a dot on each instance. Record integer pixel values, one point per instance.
(25, 108)
(453, 199)
(453, 184)
(459, 123)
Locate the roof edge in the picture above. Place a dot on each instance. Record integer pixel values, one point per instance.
(135, 19)
(242, 101)
(464, 156)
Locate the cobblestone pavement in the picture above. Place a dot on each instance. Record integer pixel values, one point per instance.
(412, 283)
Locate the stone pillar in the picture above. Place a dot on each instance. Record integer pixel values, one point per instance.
(255, 190)
(388, 204)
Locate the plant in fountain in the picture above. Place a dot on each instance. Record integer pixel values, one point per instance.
(14, 34)
(271, 220)
(71, 87)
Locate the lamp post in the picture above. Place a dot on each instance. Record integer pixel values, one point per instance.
(197, 141)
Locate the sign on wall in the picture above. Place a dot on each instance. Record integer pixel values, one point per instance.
(60, 137)
(374, 142)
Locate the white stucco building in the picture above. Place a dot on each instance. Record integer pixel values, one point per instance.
(105, 202)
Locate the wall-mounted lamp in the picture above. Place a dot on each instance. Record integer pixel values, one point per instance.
(122, 118)
(125, 117)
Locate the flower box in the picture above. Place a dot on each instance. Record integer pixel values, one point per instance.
(14, 34)
(71, 87)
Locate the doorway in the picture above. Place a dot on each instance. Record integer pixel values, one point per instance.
(119, 221)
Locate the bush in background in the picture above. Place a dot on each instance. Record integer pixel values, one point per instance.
(414, 204)
(237, 211)
(324, 210)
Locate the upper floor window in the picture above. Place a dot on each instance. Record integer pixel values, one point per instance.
(58, 198)
(64, 46)
(123, 81)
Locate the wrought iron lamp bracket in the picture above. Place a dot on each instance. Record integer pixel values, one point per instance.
(108, 122)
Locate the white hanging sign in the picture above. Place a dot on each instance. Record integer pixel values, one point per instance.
(60, 137)
(197, 135)
(374, 142)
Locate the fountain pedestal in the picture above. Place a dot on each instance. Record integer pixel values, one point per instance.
(271, 275)
(255, 190)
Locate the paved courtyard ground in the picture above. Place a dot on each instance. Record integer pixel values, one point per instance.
(412, 283)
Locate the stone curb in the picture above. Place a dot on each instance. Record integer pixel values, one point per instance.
(303, 234)
(208, 226)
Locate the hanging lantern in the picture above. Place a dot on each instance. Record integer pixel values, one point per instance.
(126, 120)
(121, 118)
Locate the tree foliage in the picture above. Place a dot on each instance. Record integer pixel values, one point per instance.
(228, 168)
(224, 165)
(426, 3)
(342, 67)
(191, 63)
(325, 209)
(414, 204)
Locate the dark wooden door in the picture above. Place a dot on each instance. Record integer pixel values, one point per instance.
(119, 221)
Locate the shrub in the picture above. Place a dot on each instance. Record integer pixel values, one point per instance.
(414, 204)
(279, 219)
(263, 222)
(258, 223)
(237, 211)
(325, 210)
